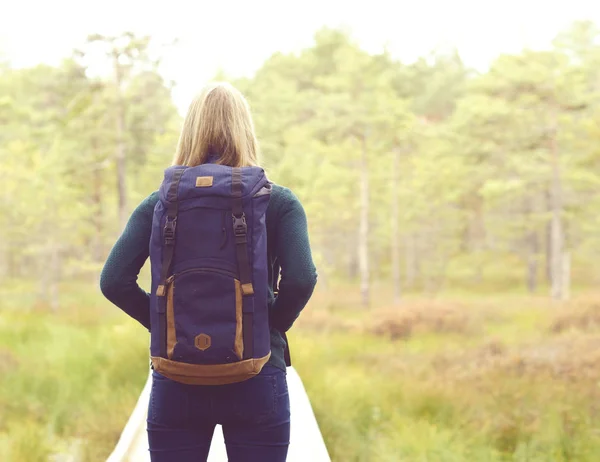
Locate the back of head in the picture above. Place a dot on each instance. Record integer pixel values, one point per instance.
(218, 125)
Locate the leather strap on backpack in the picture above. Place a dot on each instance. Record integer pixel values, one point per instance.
(286, 352)
(167, 257)
(240, 232)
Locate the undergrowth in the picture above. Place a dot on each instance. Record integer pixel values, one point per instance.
(443, 380)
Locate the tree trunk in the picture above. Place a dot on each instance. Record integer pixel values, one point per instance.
(49, 270)
(411, 261)
(556, 231)
(532, 246)
(548, 241)
(97, 223)
(532, 262)
(477, 236)
(363, 234)
(4, 257)
(97, 217)
(395, 228)
(120, 155)
(353, 269)
(44, 281)
(54, 270)
(566, 276)
(97, 251)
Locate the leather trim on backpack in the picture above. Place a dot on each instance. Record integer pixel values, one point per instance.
(171, 333)
(239, 336)
(248, 289)
(204, 181)
(218, 374)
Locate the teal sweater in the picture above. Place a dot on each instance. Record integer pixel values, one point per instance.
(288, 254)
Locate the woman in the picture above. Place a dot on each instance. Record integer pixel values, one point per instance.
(181, 418)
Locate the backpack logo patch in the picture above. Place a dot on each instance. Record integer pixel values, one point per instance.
(204, 181)
(202, 342)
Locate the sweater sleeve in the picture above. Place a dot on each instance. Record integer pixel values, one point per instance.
(298, 272)
(118, 281)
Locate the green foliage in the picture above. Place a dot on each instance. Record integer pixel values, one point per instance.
(526, 395)
(520, 386)
(476, 163)
(58, 154)
(475, 158)
(57, 372)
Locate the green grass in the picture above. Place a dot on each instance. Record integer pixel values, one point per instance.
(66, 377)
(498, 383)
(440, 396)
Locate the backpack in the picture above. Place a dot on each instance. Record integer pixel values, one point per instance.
(208, 253)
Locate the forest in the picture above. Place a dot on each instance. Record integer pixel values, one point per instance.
(441, 178)
(453, 216)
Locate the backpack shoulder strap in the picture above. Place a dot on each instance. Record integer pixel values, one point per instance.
(167, 255)
(169, 230)
(240, 231)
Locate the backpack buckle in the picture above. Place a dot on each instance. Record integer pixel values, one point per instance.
(240, 228)
(169, 230)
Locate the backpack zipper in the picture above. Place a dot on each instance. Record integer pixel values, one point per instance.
(224, 230)
(203, 270)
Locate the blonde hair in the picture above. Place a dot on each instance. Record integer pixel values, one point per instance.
(219, 124)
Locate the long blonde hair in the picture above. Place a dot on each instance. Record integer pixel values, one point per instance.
(219, 124)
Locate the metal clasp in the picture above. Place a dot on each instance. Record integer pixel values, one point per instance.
(240, 227)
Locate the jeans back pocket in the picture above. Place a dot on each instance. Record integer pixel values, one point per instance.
(169, 402)
(254, 400)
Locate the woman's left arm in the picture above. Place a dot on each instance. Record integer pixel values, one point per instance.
(118, 281)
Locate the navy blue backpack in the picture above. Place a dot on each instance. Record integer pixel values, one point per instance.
(208, 254)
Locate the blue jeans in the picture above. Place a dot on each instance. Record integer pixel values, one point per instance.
(255, 415)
